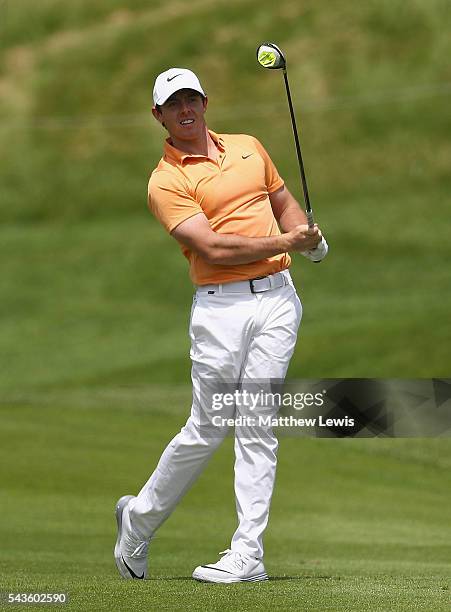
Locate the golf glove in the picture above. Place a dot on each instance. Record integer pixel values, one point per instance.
(318, 253)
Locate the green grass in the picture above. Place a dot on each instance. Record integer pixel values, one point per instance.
(84, 305)
(94, 297)
(355, 524)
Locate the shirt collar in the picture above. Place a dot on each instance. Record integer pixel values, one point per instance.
(179, 156)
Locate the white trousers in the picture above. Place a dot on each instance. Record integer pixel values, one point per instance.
(233, 337)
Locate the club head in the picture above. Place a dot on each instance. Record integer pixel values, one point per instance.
(270, 56)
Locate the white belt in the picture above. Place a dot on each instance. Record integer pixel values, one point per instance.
(254, 285)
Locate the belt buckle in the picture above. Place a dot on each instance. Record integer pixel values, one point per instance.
(251, 283)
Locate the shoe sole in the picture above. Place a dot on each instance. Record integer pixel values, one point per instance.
(202, 578)
(123, 501)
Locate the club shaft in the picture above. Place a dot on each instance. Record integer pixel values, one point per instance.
(308, 208)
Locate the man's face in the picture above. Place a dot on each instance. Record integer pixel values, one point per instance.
(183, 114)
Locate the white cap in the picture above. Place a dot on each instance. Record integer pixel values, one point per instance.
(173, 80)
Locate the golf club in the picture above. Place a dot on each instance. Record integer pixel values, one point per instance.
(270, 56)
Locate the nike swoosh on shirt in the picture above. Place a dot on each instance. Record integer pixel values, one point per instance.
(246, 155)
(173, 77)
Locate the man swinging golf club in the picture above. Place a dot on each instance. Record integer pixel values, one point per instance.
(221, 197)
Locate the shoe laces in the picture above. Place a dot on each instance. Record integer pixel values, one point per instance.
(236, 560)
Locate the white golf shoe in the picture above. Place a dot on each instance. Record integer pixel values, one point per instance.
(130, 551)
(232, 567)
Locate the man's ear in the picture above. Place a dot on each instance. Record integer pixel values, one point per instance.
(157, 114)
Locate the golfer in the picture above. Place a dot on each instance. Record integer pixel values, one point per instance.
(221, 197)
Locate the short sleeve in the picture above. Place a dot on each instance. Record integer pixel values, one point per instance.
(272, 177)
(169, 200)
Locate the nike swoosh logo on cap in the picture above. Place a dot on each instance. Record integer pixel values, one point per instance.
(173, 77)
(246, 155)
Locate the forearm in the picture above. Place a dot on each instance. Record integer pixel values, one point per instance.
(196, 234)
(291, 216)
(232, 249)
(289, 219)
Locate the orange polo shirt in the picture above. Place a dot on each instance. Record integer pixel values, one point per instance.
(232, 192)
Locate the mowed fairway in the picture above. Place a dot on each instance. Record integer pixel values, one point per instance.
(355, 525)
